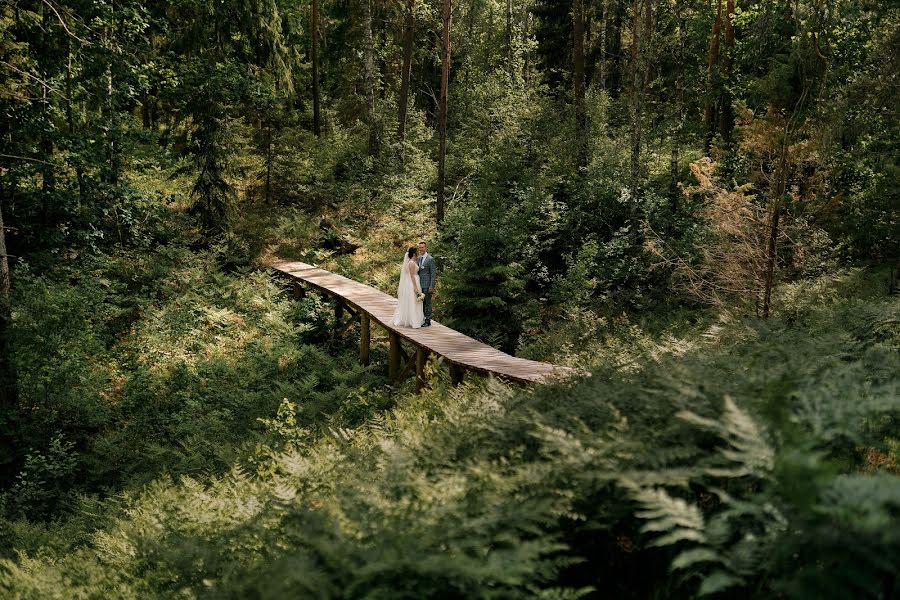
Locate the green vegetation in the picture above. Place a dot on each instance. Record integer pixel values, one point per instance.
(696, 202)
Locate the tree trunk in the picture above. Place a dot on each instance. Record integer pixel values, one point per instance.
(709, 113)
(471, 15)
(635, 93)
(526, 31)
(111, 150)
(314, 59)
(45, 143)
(615, 52)
(111, 170)
(384, 67)
(9, 389)
(647, 46)
(679, 109)
(726, 113)
(5, 311)
(442, 118)
(603, 23)
(269, 159)
(509, 48)
(369, 77)
(770, 256)
(402, 104)
(70, 120)
(780, 184)
(578, 80)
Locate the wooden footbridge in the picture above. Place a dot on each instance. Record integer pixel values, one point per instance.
(367, 305)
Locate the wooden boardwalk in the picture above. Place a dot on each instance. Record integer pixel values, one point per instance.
(461, 352)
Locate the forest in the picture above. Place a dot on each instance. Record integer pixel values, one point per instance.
(695, 204)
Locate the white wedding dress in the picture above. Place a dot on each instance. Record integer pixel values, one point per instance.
(409, 312)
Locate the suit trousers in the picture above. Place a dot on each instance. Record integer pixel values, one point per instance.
(426, 305)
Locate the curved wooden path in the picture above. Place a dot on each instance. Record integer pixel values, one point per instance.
(461, 352)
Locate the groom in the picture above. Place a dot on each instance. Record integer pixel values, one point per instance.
(427, 279)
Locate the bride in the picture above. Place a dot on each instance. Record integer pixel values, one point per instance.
(409, 311)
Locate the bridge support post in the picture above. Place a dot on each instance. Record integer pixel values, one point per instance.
(297, 291)
(338, 312)
(365, 338)
(393, 356)
(420, 369)
(457, 374)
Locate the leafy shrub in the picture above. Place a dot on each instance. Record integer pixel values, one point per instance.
(44, 482)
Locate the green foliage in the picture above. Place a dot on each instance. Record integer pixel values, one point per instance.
(158, 362)
(45, 479)
(665, 477)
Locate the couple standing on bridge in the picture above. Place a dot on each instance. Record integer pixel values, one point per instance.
(417, 278)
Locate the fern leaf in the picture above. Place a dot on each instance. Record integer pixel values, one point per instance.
(717, 582)
(691, 557)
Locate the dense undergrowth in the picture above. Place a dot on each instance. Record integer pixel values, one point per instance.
(735, 463)
(196, 432)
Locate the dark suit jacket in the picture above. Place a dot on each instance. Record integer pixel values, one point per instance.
(427, 272)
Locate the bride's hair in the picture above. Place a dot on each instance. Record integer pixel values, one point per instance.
(412, 251)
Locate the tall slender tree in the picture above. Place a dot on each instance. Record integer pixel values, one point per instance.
(578, 80)
(314, 59)
(409, 24)
(604, 24)
(447, 19)
(678, 121)
(369, 76)
(9, 392)
(510, 65)
(636, 93)
(712, 83)
(526, 33)
(726, 111)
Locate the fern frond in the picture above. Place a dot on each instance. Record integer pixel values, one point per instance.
(749, 452)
